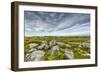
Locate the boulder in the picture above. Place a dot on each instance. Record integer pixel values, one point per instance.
(37, 55)
(54, 49)
(69, 53)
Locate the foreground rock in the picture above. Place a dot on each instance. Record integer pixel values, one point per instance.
(54, 49)
(35, 56)
(27, 57)
(38, 52)
(69, 53)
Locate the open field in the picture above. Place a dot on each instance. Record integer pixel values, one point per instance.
(45, 48)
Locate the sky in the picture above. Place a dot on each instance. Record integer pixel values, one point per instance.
(39, 23)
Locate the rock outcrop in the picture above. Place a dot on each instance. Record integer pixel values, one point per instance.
(37, 51)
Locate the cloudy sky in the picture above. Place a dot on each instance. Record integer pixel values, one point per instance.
(56, 24)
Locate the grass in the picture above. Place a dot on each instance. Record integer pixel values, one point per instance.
(38, 39)
(72, 41)
(56, 56)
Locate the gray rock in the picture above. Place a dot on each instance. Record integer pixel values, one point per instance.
(37, 55)
(32, 45)
(84, 45)
(61, 43)
(69, 53)
(46, 47)
(54, 49)
(27, 57)
(52, 43)
(43, 46)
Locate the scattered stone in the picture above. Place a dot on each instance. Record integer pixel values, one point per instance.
(41, 46)
(52, 43)
(37, 51)
(60, 43)
(44, 45)
(69, 53)
(55, 49)
(84, 45)
(37, 55)
(27, 57)
(32, 45)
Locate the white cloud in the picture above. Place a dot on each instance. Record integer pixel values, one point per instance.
(53, 22)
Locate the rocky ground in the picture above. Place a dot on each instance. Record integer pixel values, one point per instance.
(54, 50)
